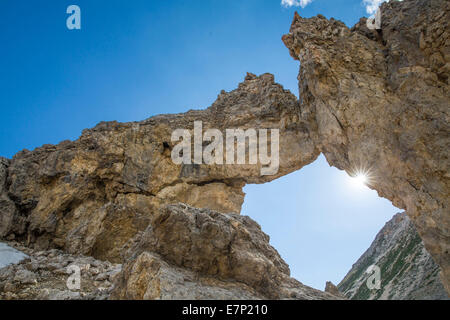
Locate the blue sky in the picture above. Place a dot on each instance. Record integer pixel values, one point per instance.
(135, 59)
(319, 220)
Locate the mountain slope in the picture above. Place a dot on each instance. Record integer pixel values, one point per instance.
(407, 270)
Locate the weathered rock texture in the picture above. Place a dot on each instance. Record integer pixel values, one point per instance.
(202, 254)
(367, 100)
(7, 207)
(101, 194)
(93, 195)
(331, 288)
(380, 102)
(407, 270)
(43, 275)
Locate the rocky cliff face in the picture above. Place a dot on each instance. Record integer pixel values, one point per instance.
(407, 270)
(371, 101)
(379, 102)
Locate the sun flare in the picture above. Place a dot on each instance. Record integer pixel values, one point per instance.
(360, 179)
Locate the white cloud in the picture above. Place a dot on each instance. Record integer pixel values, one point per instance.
(372, 5)
(295, 3)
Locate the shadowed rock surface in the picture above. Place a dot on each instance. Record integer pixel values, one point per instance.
(373, 101)
(407, 270)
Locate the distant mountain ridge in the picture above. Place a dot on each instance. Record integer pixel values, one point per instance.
(407, 270)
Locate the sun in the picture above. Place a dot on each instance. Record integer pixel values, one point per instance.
(360, 179)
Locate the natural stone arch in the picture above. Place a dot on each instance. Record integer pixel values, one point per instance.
(117, 167)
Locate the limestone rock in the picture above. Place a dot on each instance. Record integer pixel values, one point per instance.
(379, 102)
(332, 289)
(94, 195)
(369, 101)
(407, 270)
(44, 275)
(7, 207)
(190, 253)
(148, 277)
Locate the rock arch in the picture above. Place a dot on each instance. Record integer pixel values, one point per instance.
(366, 100)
